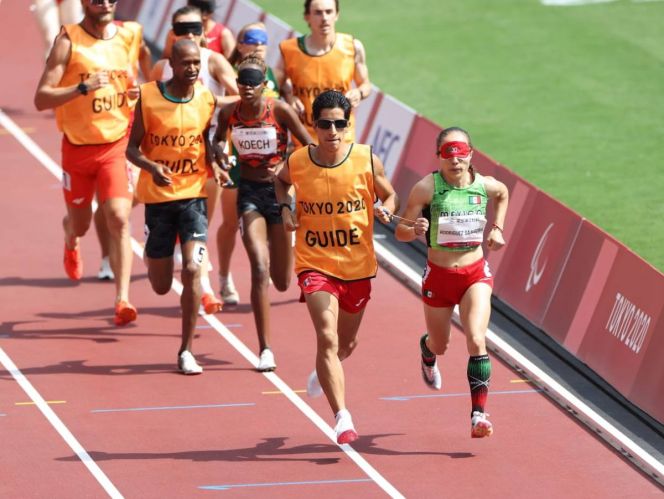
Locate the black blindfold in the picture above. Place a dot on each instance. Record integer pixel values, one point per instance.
(250, 77)
(195, 28)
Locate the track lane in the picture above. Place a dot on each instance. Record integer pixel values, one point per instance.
(421, 444)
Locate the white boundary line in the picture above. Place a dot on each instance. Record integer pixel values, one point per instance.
(224, 332)
(505, 351)
(59, 426)
(9, 365)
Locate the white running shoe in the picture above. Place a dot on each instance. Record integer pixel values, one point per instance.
(344, 428)
(313, 385)
(187, 363)
(105, 271)
(480, 426)
(266, 362)
(229, 294)
(431, 376)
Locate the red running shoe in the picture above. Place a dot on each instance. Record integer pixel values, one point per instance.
(211, 304)
(125, 313)
(73, 263)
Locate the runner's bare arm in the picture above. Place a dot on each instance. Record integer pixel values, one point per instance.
(224, 74)
(420, 196)
(384, 191)
(220, 175)
(227, 42)
(49, 95)
(145, 60)
(361, 77)
(286, 116)
(220, 135)
(498, 193)
(284, 190)
(168, 46)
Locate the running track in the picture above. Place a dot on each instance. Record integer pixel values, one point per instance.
(89, 410)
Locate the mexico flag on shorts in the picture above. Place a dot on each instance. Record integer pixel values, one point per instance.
(474, 199)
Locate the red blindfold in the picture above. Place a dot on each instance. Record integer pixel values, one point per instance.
(454, 150)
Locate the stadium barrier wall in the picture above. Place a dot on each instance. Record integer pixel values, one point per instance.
(574, 282)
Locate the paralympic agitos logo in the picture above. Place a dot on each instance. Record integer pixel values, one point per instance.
(536, 265)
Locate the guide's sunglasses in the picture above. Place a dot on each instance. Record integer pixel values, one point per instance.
(102, 2)
(327, 124)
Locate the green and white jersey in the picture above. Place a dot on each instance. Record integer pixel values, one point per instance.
(457, 215)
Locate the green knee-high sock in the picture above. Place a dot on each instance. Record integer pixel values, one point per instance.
(479, 376)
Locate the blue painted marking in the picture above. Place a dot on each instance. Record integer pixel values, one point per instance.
(4, 336)
(280, 484)
(2, 415)
(403, 398)
(172, 408)
(204, 326)
(231, 326)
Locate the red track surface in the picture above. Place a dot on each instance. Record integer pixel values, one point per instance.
(60, 337)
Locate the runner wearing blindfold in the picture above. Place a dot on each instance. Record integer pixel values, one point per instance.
(252, 40)
(183, 28)
(216, 72)
(450, 205)
(218, 37)
(258, 127)
(218, 75)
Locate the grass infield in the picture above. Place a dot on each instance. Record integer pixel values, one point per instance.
(569, 98)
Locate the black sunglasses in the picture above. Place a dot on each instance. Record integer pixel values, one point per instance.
(327, 124)
(101, 2)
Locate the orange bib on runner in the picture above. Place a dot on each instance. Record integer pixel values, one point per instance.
(335, 214)
(174, 137)
(101, 116)
(312, 75)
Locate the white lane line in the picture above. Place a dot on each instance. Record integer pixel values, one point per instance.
(9, 365)
(173, 407)
(30, 145)
(536, 375)
(297, 401)
(59, 426)
(406, 398)
(225, 333)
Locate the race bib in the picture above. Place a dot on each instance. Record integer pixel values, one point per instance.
(461, 231)
(255, 141)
